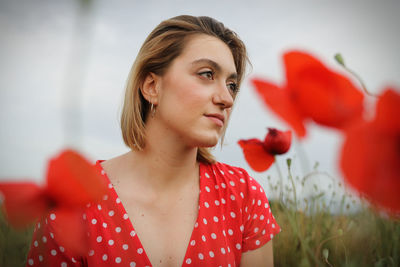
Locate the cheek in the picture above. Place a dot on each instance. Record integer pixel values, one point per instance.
(186, 96)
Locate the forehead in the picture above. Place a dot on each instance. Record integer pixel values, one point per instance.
(202, 46)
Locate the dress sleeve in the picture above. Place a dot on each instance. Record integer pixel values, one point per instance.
(45, 251)
(259, 224)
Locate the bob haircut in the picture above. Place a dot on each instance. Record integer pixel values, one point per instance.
(161, 47)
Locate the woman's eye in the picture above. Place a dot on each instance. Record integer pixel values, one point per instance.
(207, 74)
(233, 87)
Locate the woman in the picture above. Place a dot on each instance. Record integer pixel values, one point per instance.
(169, 203)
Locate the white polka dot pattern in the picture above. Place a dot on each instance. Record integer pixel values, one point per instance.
(234, 217)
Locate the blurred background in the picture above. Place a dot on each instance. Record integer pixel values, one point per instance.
(64, 64)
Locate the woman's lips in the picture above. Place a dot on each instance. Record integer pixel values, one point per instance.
(217, 118)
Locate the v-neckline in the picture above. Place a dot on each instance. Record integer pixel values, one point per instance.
(130, 224)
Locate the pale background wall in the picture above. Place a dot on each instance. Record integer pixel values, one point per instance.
(49, 48)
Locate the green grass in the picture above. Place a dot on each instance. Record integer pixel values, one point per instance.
(314, 236)
(14, 244)
(311, 235)
(322, 239)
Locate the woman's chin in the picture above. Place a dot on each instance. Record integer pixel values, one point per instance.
(206, 140)
(211, 142)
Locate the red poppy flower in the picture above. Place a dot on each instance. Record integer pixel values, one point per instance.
(261, 154)
(370, 157)
(72, 182)
(312, 91)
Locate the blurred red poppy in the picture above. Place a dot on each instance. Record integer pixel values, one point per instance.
(277, 142)
(312, 91)
(370, 158)
(261, 154)
(72, 182)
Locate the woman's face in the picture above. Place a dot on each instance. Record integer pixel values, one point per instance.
(197, 91)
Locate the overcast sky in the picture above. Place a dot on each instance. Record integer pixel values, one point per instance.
(57, 56)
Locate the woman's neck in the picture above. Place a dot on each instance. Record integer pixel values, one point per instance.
(165, 162)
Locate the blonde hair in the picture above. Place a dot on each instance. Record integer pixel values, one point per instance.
(161, 47)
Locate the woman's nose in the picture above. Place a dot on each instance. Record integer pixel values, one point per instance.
(223, 96)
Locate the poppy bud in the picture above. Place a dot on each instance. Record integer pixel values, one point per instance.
(277, 142)
(340, 59)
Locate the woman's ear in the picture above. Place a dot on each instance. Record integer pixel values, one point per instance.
(149, 88)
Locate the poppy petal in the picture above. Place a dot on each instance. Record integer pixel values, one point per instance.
(280, 102)
(23, 203)
(370, 162)
(255, 154)
(327, 97)
(388, 105)
(73, 181)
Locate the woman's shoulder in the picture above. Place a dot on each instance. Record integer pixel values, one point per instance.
(234, 176)
(223, 168)
(113, 167)
(110, 165)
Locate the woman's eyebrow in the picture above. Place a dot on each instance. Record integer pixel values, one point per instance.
(215, 65)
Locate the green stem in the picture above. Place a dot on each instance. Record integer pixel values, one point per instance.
(326, 260)
(345, 252)
(294, 221)
(339, 59)
(293, 186)
(323, 242)
(360, 80)
(278, 169)
(292, 218)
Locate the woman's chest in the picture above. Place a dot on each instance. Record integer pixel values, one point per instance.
(164, 244)
(199, 228)
(165, 230)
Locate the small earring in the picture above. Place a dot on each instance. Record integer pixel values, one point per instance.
(152, 110)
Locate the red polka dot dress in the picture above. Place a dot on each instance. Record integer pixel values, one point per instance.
(233, 217)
